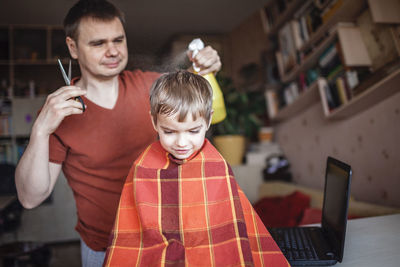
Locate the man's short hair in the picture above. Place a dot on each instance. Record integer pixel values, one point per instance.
(183, 92)
(97, 9)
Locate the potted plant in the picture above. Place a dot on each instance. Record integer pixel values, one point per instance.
(244, 111)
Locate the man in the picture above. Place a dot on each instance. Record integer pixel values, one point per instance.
(94, 148)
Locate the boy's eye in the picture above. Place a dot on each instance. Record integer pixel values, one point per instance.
(167, 132)
(194, 131)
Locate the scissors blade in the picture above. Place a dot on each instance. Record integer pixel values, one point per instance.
(66, 79)
(69, 71)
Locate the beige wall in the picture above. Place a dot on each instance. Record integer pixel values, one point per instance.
(368, 141)
(246, 43)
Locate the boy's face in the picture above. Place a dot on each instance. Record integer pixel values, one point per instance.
(181, 139)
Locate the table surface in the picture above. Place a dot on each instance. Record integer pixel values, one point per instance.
(372, 241)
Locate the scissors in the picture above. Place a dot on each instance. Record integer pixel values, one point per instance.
(67, 80)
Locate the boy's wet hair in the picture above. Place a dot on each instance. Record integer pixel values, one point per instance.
(96, 9)
(181, 92)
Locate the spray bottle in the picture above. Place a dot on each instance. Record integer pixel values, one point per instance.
(218, 104)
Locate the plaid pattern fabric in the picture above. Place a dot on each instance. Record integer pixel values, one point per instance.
(187, 213)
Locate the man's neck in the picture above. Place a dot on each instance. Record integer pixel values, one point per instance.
(102, 92)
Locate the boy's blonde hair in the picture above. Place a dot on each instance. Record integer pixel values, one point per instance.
(182, 92)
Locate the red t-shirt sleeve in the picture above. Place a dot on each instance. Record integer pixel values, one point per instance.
(57, 150)
(150, 77)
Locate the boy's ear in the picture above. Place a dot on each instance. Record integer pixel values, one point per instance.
(152, 121)
(209, 121)
(72, 47)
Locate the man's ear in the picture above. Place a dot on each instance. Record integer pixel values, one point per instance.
(72, 47)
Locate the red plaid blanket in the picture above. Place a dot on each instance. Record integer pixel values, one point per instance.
(187, 213)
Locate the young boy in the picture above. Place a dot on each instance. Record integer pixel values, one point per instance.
(180, 205)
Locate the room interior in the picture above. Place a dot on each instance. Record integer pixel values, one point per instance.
(362, 131)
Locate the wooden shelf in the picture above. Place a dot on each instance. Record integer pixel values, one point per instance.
(373, 95)
(285, 16)
(36, 62)
(310, 60)
(349, 10)
(305, 100)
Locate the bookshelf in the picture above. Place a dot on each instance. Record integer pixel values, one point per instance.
(272, 27)
(347, 12)
(310, 60)
(28, 73)
(354, 55)
(306, 99)
(378, 92)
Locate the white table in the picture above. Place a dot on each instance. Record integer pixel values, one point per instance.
(373, 241)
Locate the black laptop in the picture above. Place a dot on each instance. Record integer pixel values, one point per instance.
(305, 246)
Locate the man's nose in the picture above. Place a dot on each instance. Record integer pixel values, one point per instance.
(112, 50)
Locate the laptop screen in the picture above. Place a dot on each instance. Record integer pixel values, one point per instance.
(336, 198)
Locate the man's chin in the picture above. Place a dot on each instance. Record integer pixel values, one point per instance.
(111, 72)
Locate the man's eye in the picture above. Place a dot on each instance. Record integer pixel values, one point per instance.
(167, 132)
(194, 131)
(118, 41)
(97, 43)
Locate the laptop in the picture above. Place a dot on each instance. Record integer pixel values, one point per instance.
(321, 245)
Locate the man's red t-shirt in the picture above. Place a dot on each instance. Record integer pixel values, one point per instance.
(96, 150)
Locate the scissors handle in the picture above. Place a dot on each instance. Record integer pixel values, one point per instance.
(78, 98)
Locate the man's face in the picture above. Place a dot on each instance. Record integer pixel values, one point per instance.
(181, 139)
(101, 48)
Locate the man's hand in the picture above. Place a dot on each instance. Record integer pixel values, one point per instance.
(207, 60)
(58, 105)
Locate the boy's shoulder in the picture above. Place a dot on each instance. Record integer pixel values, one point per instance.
(154, 156)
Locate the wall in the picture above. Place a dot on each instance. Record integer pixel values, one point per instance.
(368, 141)
(247, 42)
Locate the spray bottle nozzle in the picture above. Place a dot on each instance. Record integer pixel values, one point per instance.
(195, 46)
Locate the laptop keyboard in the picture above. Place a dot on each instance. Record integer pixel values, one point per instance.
(295, 243)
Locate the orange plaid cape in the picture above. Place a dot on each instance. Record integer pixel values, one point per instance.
(187, 213)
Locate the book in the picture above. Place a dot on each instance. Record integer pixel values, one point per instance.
(331, 9)
(351, 78)
(287, 47)
(326, 98)
(327, 56)
(335, 72)
(302, 82)
(341, 88)
(289, 97)
(379, 39)
(279, 63)
(304, 30)
(296, 31)
(272, 103)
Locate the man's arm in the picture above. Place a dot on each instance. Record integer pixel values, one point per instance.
(35, 176)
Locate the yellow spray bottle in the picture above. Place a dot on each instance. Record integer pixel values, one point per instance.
(218, 104)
